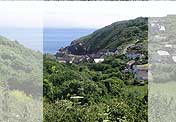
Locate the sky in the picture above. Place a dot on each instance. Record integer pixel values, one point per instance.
(71, 14)
(98, 14)
(24, 21)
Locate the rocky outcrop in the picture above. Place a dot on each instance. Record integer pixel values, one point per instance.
(110, 37)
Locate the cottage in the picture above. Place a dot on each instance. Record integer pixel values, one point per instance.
(130, 64)
(141, 71)
(162, 28)
(109, 53)
(142, 75)
(133, 55)
(71, 60)
(163, 53)
(61, 60)
(168, 46)
(157, 27)
(117, 52)
(98, 60)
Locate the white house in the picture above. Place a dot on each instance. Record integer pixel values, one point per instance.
(174, 58)
(62, 61)
(99, 60)
(163, 53)
(168, 45)
(162, 28)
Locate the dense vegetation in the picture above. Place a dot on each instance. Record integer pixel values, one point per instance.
(111, 37)
(20, 82)
(18, 65)
(87, 92)
(99, 92)
(92, 92)
(162, 99)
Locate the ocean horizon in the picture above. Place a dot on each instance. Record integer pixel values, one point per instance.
(55, 38)
(31, 38)
(46, 40)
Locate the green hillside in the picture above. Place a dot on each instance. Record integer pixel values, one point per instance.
(20, 82)
(111, 37)
(92, 92)
(98, 92)
(20, 67)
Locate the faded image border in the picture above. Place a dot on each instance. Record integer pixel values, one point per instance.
(162, 69)
(21, 81)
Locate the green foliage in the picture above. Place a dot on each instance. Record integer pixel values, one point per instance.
(104, 88)
(20, 66)
(98, 92)
(111, 37)
(20, 83)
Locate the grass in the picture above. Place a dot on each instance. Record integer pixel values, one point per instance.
(140, 90)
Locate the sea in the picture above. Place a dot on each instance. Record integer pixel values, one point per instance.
(31, 38)
(55, 38)
(46, 40)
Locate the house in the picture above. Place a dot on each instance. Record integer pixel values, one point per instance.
(130, 64)
(132, 55)
(162, 28)
(157, 27)
(174, 58)
(61, 60)
(71, 60)
(142, 75)
(117, 52)
(168, 46)
(163, 53)
(141, 71)
(109, 53)
(98, 60)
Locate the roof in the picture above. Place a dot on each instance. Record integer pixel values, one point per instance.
(131, 62)
(142, 67)
(163, 53)
(98, 60)
(143, 74)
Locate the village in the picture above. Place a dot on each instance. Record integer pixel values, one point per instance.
(161, 43)
(132, 52)
(137, 65)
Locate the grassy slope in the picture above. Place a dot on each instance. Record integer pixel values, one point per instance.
(115, 35)
(19, 65)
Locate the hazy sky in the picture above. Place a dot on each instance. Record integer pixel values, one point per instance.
(16, 17)
(97, 14)
(77, 14)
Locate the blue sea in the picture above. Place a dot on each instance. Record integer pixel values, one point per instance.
(54, 39)
(29, 37)
(47, 40)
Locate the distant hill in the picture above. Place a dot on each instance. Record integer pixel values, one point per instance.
(111, 37)
(21, 67)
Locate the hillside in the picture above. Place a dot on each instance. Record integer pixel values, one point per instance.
(111, 37)
(20, 82)
(21, 68)
(79, 89)
(91, 92)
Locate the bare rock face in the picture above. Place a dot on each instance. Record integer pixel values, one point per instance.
(76, 48)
